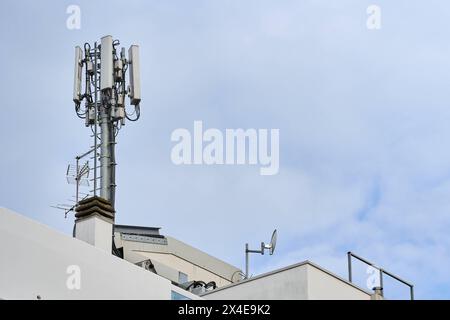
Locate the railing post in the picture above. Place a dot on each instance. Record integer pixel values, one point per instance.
(246, 261)
(349, 258)
(381, 282)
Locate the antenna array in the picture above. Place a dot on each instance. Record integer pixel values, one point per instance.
(99, 93)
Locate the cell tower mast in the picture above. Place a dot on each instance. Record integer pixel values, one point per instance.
(99, 95)
(105, 88)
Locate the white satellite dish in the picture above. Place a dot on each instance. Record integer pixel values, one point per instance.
(273, 243)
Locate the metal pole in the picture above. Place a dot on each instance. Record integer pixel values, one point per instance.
(246, 261)
(77, 179)
(412, 292)
(96, 119)
(105, 153)
(381, 282)
(107, 146)
(349, 258)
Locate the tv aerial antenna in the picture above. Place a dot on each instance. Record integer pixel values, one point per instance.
(78, 175)
(271, 247)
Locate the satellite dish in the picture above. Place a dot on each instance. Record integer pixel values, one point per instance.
(270, 247)
(273, 242)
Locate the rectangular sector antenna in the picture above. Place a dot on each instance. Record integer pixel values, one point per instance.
(135, 79)
(77, 75)
(106, 64)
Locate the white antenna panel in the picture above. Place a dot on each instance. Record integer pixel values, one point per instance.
(106, 67)
(77, 75)
(135, 79)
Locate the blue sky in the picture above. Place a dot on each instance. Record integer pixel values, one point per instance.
(363, 118)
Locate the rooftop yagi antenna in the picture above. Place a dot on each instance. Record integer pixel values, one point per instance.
(77, 174)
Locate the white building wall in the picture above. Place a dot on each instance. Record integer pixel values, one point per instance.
(196, 264)
(289, 284)
(96, 231)
(303, 281)
(323, 286)
(191, 270)
(35, 260)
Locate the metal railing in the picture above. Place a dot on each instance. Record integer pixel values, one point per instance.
(381, 270)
